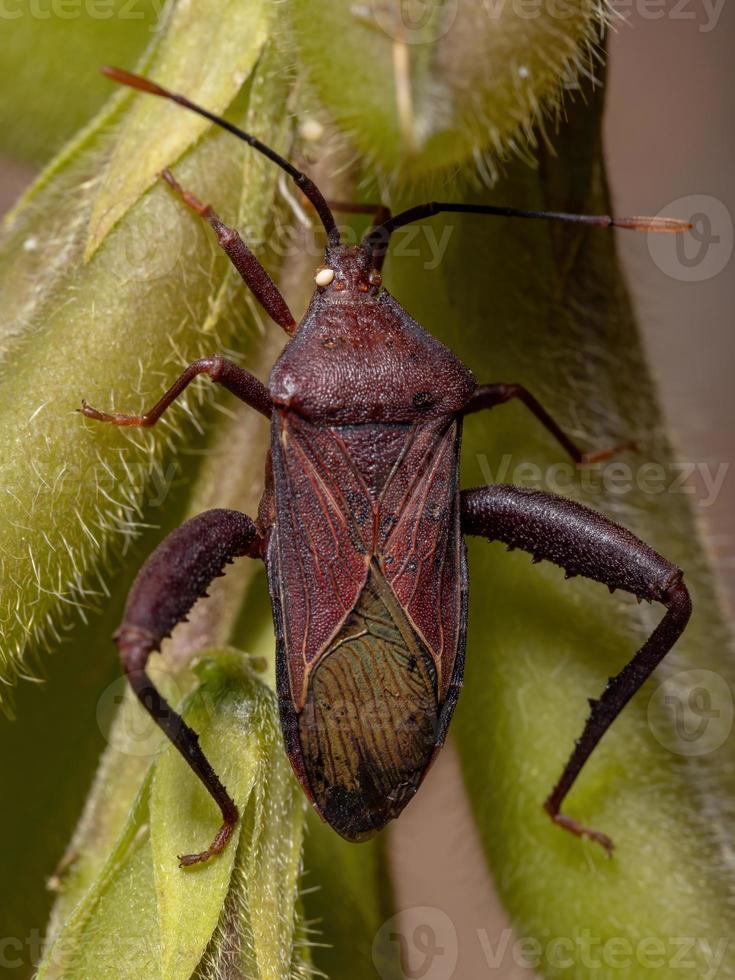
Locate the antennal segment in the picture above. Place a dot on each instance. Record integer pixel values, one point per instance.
(305, 184)
(377, 238)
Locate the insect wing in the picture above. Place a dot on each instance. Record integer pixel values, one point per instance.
(323, 517)
(422, 548)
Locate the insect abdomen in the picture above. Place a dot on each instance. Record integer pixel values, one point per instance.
(368, 728)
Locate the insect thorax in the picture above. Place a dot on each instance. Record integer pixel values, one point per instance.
(367, 362)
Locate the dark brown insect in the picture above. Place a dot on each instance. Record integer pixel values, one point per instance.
(361, 529)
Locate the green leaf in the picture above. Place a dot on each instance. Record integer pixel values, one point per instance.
(121, 903)
(209, 50)
(157, 919)
(115, 330)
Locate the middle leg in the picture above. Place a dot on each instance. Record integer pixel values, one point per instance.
(240, 382)
(488, 396)
(583, 542)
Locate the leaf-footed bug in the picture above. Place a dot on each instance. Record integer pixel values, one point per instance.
(361, 530)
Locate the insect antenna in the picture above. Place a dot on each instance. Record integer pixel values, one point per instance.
(379, 235)
(305, 184)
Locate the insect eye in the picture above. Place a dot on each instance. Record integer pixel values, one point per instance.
(375, 277)
(324, 276)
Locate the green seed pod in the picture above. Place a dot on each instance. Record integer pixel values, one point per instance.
(142, 915)
(109, 288)
(423, 87)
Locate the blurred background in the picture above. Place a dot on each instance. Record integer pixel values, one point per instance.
(670, 142)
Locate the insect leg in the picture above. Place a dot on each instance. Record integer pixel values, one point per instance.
(169, 583)
(584, 542)
(240, 382)
(252, 272)
(488, 396)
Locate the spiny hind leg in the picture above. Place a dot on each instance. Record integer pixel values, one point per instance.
(586, 543)
(169, 583)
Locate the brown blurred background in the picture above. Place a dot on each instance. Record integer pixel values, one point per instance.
(670, 134)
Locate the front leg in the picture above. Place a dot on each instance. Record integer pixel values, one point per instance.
(169, 583)
(583, 542)
(254, 275)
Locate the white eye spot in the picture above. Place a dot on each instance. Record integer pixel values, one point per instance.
(523, 71)
(30, 244)
(311, 130)
(324, 276)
